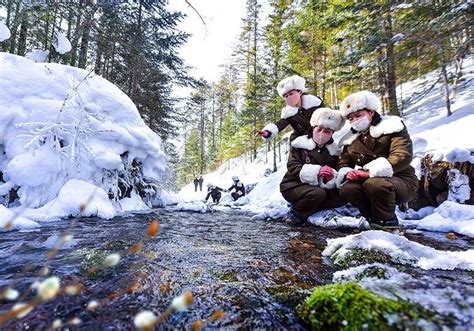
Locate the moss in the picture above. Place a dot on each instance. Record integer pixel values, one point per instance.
(350, 307)
(359, 256)
(91, 263)
(288, 295)
(228, 277)
(116, 245)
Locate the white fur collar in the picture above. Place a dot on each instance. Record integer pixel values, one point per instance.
(304, 142)
(310, 101)
(307, 101)
(388, 125)
(288, 111)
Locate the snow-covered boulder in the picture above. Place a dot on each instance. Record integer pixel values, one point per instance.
(59, 124)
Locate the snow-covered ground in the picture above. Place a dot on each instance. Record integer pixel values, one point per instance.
(447, 138)
(69, 141)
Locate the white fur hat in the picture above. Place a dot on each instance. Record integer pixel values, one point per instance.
(235, 178)
(358, 101)
(327, 118)
(294, 82)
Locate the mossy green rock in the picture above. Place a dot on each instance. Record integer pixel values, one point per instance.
(350, 307)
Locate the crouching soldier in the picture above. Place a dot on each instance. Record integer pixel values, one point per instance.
(382, 150)
(298, 110)
(310, 181)
(239, 188)
(214, 192)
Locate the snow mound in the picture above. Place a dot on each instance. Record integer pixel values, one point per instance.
(8, 220)
(400, 249)
(59, 124)
(448, 217)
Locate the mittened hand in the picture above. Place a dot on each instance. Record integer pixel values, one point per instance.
(326, 172)
(264, 133)
(355, 175)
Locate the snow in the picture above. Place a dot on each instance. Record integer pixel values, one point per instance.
(37, 55)
(448, 217)
(436, 294)
(66, 133)
(17, 222)
(401, 250)
(61, 44)
(4, 32)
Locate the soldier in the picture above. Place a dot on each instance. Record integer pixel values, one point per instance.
(298, 110)
(239, 188)
(195, 181)
(381, 149)
(214, 192)
(310, 182)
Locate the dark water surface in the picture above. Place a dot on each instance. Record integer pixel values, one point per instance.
(254, 271)
(251, 270)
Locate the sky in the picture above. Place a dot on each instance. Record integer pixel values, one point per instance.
(210, 45)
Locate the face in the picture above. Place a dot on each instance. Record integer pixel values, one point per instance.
(322, 135)
(293, 98)
(352, 117)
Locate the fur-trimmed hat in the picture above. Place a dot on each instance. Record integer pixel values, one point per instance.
(327, 118)
(358, 101)
(235, 178)
(288, 84)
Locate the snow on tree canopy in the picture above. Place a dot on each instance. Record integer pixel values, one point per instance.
(59, 124)
(61, 44)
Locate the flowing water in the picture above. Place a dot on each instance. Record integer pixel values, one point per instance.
(255, 272)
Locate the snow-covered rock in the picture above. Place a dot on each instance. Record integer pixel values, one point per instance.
(63, 127)
(400, 250)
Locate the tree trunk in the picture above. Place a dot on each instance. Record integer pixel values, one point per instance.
(23, 34)
(87, 25)
(391, 78)
(444, 75)
(14, 27)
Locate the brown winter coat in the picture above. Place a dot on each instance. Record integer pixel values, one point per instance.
(301, 184)
(298, 119)
(386, 151)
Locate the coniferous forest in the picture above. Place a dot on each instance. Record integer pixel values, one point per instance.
(339, 46)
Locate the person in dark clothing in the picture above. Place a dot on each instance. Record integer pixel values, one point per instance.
(200, 180)
(310, 181)
(297, 112)
(375, 172)
(239, 188)
(195, 181)
(214, 192)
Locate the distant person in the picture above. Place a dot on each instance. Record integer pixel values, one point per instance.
(214, 192)
(382, 148)
(238, 187)
(310, 181)
(298, 110)
(201, 181)
(195, 181)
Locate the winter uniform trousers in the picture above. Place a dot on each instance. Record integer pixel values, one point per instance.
(385, 151)
(307, 199)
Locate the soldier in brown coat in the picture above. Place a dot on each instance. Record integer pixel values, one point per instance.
(298, 110)
(374, 169)
(310, 182)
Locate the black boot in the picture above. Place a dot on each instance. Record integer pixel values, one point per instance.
(292, 219)
(388, 223)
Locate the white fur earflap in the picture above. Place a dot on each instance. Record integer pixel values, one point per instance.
(379, 167)
(310, 101)
(327, 118)
(294, 82)
(330, 184)
(358, 101)
(388, 125)
(341, 174)
(304, 142)
(288, 111)
(273, 129)
(309, 174)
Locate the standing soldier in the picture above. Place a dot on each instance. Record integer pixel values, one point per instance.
(201, 180)
(195, 181)
(298, 110)
(382, 150)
